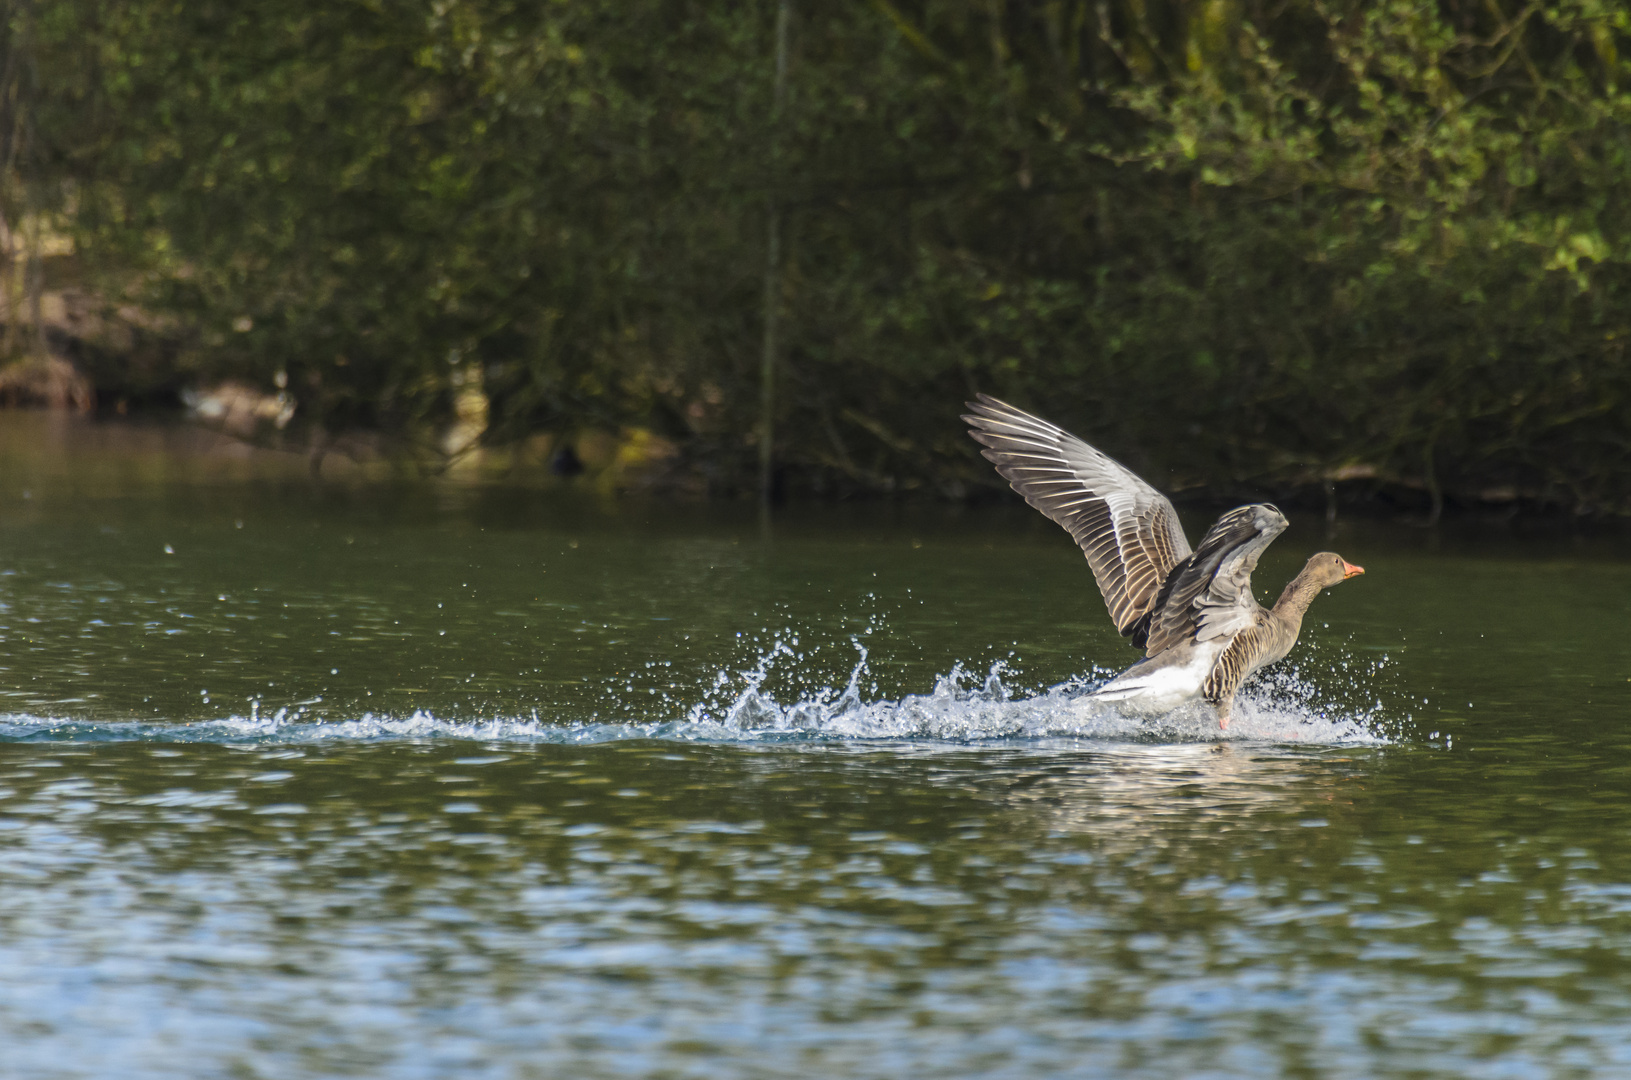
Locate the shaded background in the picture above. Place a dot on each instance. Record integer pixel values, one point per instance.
(1326, 251)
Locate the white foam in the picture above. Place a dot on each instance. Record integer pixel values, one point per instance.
(963, 708)
(736, 707)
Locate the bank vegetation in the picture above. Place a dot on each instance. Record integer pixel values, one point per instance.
(1332, 248)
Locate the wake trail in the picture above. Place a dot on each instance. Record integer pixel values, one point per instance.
(736, 707)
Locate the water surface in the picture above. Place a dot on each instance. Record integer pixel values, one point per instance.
(408, 779)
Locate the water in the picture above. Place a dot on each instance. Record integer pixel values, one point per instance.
(394, 779)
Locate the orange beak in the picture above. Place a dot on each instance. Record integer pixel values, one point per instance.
(1350, 570)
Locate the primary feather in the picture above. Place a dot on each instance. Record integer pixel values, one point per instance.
(1128, 530)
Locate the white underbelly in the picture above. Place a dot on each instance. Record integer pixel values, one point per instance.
(1162, 687)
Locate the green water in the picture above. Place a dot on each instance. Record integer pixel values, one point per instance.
(496, 780)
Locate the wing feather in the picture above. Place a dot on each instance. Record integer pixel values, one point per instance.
(1209, 595)
(1129, 531)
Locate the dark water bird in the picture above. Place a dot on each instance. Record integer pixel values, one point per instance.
(1192, 611)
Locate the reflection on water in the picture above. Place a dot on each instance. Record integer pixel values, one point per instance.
(465, 781)
(442, 908)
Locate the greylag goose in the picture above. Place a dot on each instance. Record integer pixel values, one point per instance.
(1192, 612)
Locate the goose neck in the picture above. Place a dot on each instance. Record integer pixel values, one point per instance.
(1299, 593)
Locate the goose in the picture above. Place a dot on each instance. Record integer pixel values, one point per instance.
(1191, 610)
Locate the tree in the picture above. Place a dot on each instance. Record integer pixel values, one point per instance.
(1245, 246)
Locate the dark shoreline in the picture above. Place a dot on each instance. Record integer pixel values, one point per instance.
(362, 460)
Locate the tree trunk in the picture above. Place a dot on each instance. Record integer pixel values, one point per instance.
(773, 274)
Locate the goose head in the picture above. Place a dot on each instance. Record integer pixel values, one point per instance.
(1328, 568)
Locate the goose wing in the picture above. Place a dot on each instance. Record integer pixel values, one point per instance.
(1128, 530)
(1209, 596)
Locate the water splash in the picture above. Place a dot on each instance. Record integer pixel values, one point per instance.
(736, 706)
(963, 706)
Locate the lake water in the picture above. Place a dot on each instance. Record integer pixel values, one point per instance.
(498, 780)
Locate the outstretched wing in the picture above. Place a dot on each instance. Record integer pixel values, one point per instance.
(1210, 595)
(1128, 530)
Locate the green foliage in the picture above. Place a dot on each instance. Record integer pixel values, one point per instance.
(1239, 245)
